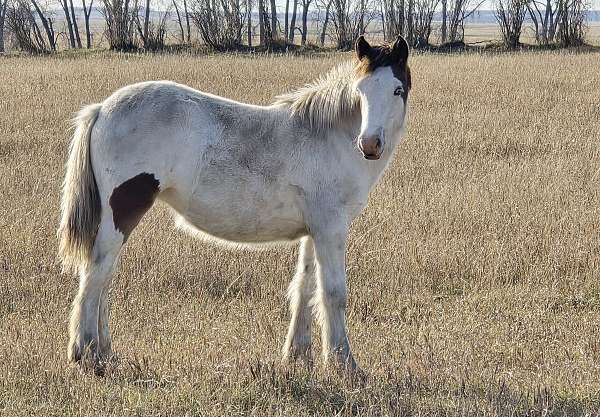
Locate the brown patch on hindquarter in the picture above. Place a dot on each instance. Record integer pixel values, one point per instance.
(131, 200)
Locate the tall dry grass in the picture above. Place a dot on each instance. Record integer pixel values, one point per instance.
(473, 273)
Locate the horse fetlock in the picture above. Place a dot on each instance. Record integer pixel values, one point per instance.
(342, 358)
(82, 348)
(299, 346)
(298, 352)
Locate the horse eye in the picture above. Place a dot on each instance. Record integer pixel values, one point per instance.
(398, 91)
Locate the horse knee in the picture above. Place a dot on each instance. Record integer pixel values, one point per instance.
(334, 294)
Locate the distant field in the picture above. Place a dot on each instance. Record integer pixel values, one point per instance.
(484, 297)
(486, 32)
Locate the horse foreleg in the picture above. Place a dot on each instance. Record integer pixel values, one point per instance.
(300, 292)
(331, 294)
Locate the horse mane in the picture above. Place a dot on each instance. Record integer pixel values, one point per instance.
(327, 101)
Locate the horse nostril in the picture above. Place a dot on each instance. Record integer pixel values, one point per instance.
(378, 143)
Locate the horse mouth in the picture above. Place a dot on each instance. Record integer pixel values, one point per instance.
(372, 153)
(372, 156)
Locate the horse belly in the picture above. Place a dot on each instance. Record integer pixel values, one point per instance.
(246, 216)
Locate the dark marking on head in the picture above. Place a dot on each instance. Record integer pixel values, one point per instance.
(131, 200)
(403, 74)
(394, 56)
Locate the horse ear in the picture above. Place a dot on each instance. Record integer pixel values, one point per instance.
(400, 49)
(362, 47)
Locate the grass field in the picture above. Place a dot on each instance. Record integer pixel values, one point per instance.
(484, 298)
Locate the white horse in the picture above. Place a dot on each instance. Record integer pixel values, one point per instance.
(300, 169)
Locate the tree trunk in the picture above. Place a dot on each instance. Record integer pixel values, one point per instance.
(324, 30)
(287, 26)
(65, 7)
(401, 18)
(146, 20)
(261, 22)
(47, 26)
(75, 26)
(86, 14)
(304, 21)
(444, 20)
(293, 22)
(386, 18)
(3, 7)
(187, 22)
(410, 30)
(37, 33)
(249, 11)
(361, 27)
(179, 22)
(273, 19)
(384, 21)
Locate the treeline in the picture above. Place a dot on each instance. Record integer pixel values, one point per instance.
(31, 25)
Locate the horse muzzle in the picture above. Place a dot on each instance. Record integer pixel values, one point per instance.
(371, 146)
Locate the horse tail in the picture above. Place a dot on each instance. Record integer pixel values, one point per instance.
(80, 203)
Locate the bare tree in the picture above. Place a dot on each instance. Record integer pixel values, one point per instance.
(46, 23)
(21, 22)
(325, 21)
(3, 9)
(120, 18)
(261, 22)
(268, 32)
(444, 21)
(545, 18)
(183, 16)
(393, 18)
(249, 21)
(510, 15)
(421, 19)
(75, 25)
(571, 29)
(273, 19)
(458, 12)
(152, 33)
(179, 22)
(350, 19)
(186, 13)
(305, 7)
(87, 11)
(220, 22)
(146, 21)
(286, 27)
(292, 26)
(65, 6)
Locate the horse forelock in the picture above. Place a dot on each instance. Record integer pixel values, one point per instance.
(382, 56)
(326, 102)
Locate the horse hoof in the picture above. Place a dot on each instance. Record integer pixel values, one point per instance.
(301, 354)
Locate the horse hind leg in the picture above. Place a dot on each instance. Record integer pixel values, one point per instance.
(300, 292)
(87, 342)
(89, 328)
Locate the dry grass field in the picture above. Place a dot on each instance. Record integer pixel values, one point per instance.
(474, 273)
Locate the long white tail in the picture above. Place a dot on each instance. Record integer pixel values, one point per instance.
(80, 204)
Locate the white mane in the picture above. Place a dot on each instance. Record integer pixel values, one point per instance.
(327, 101)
